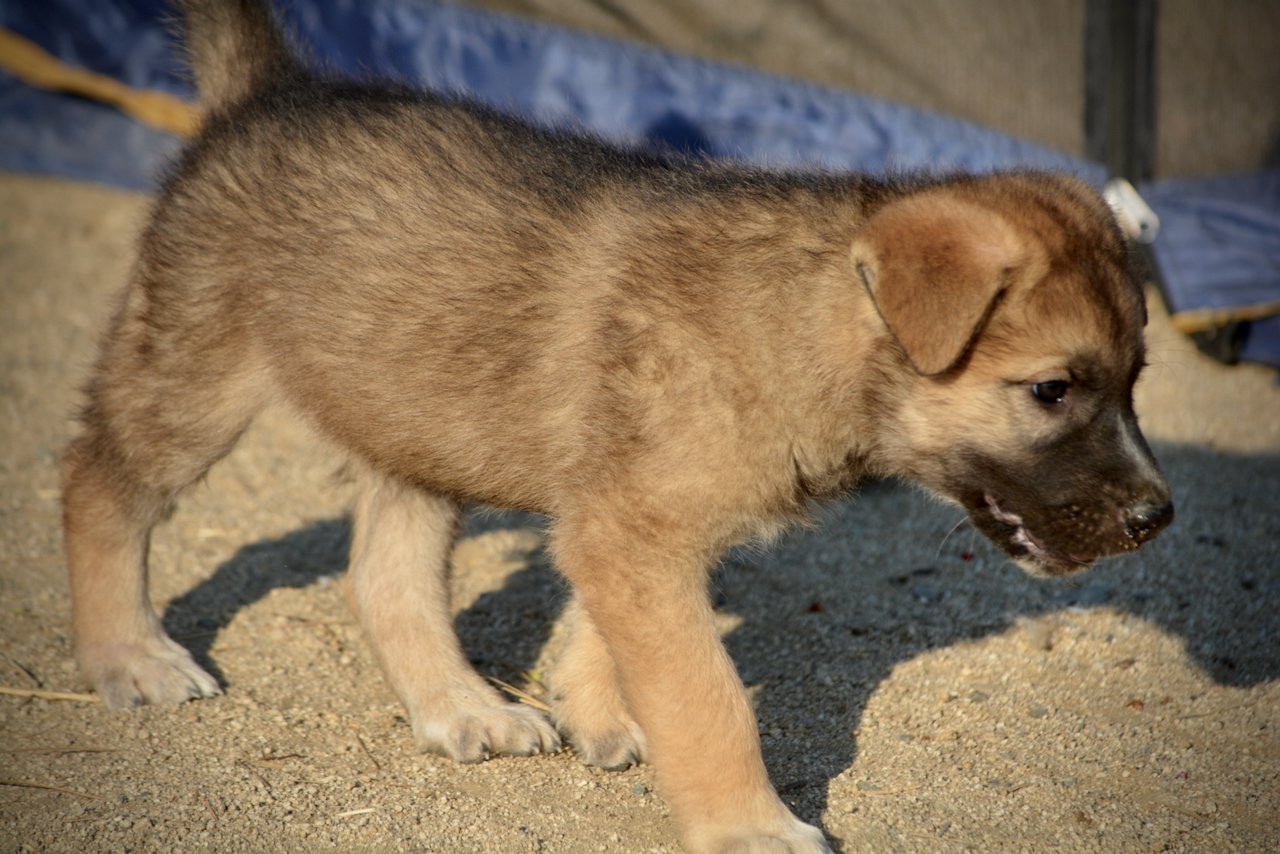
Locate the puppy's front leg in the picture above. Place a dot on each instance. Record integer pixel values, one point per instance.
(398, 587)
(648, 601)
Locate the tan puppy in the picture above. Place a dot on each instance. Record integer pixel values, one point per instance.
(665, 357)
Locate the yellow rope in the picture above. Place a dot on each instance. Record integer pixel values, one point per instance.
(28, 62)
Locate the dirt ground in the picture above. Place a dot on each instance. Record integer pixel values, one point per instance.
(915, 692)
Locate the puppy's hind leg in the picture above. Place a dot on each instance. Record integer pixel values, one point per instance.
(398, 586)
(166, 402)
(589, 707)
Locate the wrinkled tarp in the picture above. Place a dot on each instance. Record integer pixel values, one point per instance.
(622, 91)
(1219, 252)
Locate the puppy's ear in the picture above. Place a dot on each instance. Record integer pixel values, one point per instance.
(935, 266)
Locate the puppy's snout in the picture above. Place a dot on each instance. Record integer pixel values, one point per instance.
(1147, 518)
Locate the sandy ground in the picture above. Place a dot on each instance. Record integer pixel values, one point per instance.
(915, 692)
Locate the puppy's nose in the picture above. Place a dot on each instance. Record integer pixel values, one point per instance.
(1147, 518)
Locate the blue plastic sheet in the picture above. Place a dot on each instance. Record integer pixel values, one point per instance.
(1218, 248)
(622, 91)
(66, 135)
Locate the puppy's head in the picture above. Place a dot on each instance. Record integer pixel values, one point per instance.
(1017, 322)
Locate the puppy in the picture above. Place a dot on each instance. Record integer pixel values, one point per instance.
(665, 357)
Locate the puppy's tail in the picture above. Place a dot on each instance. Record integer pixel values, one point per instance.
(235, 48)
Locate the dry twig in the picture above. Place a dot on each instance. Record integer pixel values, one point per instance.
(520, 694)
(49, 695)
(25, 785)
(68, 749)
(365, 748)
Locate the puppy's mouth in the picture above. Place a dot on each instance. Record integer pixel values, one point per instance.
(1009, 531)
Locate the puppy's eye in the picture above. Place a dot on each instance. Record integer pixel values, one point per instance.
(1050, 392)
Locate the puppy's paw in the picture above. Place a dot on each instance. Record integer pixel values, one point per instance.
(599, 727)
(473, 732)
(156, 671)
(614, 749)
(794, 837)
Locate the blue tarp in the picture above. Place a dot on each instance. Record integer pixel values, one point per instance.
(619, 90)
(1219, 252)
(622, 91)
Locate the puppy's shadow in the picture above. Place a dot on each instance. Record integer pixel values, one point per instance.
(299, 559)
(827, 616)
(502, 631)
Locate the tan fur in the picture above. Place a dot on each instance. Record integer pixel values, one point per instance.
(664, 357)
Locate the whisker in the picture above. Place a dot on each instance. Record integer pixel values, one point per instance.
(947, 536)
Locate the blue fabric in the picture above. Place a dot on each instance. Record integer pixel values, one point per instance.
(1262, 341)
(1219, 248)
(62, 135)
(126, 39)
(622, 91)
(65, 135)
(633, 93)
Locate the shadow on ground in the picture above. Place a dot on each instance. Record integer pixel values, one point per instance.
(882, 580)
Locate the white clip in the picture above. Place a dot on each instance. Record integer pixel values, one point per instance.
(1136, 218)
